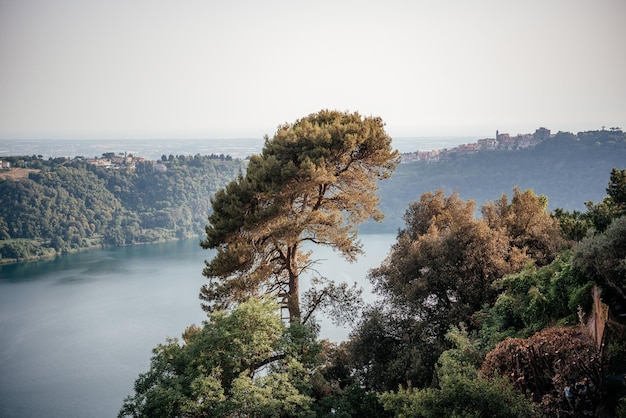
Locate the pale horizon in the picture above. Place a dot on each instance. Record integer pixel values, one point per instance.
(203, 69)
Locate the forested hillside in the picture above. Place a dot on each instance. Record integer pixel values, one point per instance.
(66, 205)
(569, 169)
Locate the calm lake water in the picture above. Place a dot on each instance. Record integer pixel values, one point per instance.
(77, 331)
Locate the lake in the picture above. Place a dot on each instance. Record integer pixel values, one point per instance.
(78, 330)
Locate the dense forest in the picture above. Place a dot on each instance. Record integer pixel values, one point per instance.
(66, 205)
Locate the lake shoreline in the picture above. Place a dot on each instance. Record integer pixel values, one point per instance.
(101, 246)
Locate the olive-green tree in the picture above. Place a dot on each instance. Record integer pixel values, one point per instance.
(460, 390)
(527, 223)
(312, 183)
(440, 272)
(603, 258)
(229, 368)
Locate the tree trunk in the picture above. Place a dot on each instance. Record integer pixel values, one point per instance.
(293, 294)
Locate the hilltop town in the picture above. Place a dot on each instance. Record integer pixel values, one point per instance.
(502, 142)
(19, 166)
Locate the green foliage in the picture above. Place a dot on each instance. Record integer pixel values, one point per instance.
(535, 298)
(389, 348)
(18, 249)
(336, 392)
(602, 258)
(576, 225)
(461, 392)
(240, 363)
(612, 206)
(440, 272)
(616, 190)
(313, 182)
(70, 205)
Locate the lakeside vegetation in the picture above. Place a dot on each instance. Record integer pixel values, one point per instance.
(490, 306)
(66, 205)
(518, 312)
(62, 205)
(506, 316)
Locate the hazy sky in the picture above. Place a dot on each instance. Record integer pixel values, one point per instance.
(228, 69)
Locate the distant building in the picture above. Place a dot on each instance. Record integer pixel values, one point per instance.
(502, 142)
(488, 144)
(502, 137)
(541, 134)
(102, 162)
(5, 164)
(525, 141)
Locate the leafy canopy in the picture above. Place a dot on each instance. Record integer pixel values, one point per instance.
(312, 183)
(440, 271)
(461, 391)
(224, 369)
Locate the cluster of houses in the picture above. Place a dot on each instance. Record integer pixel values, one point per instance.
(502, 142)
(108, 160)
(116, 161)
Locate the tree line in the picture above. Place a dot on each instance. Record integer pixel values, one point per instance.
(67, 205)
(52, 213)
(517, 311)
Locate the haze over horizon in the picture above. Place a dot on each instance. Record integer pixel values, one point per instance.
(206, 69)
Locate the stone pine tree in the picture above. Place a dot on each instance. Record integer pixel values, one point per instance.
(311, 184)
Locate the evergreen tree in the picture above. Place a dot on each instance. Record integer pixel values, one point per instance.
(312, 183)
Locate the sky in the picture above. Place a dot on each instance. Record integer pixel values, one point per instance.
(157, 69)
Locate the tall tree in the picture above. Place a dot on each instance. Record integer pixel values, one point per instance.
(444, 262)
(312, 183)
(616, 189)
(440, 272)
(602, 257)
